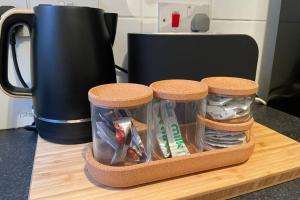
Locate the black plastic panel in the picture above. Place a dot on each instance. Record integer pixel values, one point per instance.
(153, 57)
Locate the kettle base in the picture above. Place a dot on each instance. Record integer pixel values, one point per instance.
(75, 133)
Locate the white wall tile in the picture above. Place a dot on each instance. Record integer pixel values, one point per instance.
(23, 52)
(240, 9)
(122, 7)
(89, 3)
(150, 25)
(15, 3)
(15, 112)
(256, 29)
(150, 8)
(187, 1)
(125, 25)
(253, 28)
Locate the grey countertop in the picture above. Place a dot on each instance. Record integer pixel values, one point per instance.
(17, 149)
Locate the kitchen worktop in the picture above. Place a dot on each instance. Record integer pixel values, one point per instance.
(15, 173)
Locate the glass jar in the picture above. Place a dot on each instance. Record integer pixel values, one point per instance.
(220, 135)
(230, 99)
(176, 105)
(121, 123)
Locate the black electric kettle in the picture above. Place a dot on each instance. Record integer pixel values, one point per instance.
(71, 52)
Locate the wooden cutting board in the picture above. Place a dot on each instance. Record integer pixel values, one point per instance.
(59, 173)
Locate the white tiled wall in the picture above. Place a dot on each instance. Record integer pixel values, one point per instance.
(16, 3)
(150, 8)
(89, 3)
(227, 16)
(257, 18)
(125, 25)
(240, 9)
(125, 8)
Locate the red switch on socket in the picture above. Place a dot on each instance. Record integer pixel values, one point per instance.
(175, 19)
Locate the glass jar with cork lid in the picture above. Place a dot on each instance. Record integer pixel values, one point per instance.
(121, 123)
(230, 99)
(176, 105)
(219, 135)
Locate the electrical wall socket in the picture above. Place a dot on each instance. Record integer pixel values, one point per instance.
(19, 113)
(186, 12)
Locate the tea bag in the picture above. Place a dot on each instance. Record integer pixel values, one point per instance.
(225, 108)
(176, 143)
(160, 130)
(214, 139)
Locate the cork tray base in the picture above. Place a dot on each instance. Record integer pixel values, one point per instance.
(127, 176)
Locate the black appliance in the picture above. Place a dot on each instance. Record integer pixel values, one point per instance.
(71, 50)
(153, 57)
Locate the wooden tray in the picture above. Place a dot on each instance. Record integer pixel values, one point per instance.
(59, 173)
(127, 176)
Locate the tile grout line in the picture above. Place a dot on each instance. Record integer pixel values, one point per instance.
(238, 20)
(142, 15)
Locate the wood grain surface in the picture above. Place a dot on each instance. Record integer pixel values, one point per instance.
(59, 173)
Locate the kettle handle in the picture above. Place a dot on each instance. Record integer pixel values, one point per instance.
(9, 20)
(111, 20)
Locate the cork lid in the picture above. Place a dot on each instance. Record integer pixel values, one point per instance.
(244, 126)
(120, 95)
(180, 90)
(230, 86)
